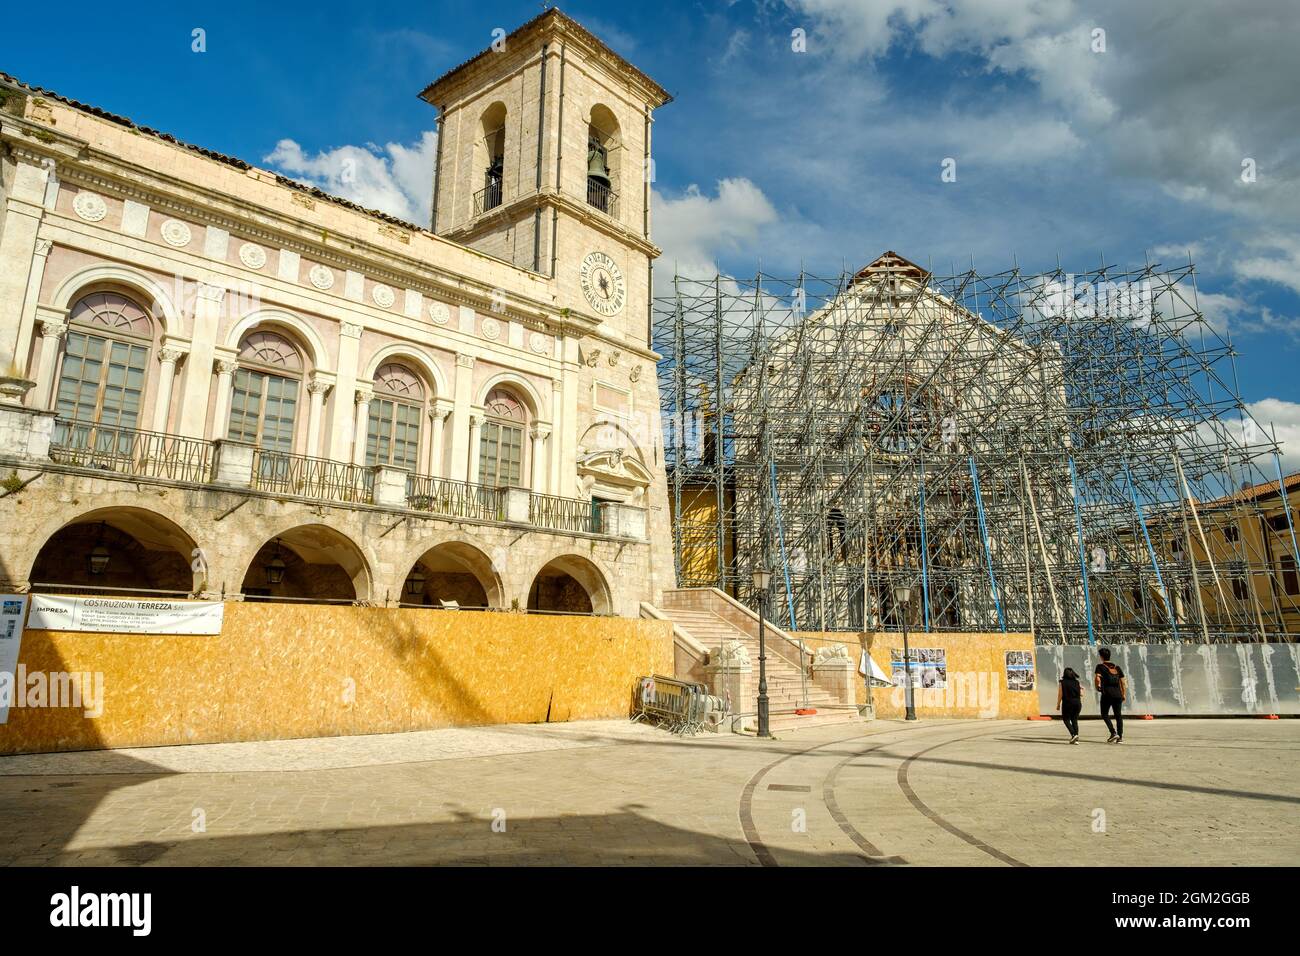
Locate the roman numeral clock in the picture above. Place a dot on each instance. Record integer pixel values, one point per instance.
(602, 284)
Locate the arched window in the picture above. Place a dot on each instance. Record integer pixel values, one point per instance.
(264, 400)
(396, 410)
(105, 360)
(501, 441)
(490, 152)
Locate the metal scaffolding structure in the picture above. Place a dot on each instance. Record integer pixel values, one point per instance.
(1059, 453)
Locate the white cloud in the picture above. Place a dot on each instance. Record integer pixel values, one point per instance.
(693, 229)
(397, 179)
(1282, 268)
(1179, 97)
(1282, 416)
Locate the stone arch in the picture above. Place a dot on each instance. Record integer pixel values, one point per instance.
(570, 583)
(142, 550)
(604, 147)
(515, 382)
(161, 305)
(299, 330)
(320, 564)
(605, 434)
(404, 354)
(454, 569)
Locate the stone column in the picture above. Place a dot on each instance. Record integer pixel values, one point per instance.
(540, 432)
(343, 425)
(460, 425)
(475, 420)
(52, 332)
(208, 305)
(31, 309)
(837, 673)
(557, 430)
(568, 438)
(730, 675)
(168, 356)
(363, 395)
(221, 413)
(316, 390)
(438, 413)
(24, 207)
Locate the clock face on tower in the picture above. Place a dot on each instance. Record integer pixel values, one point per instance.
(602, 284)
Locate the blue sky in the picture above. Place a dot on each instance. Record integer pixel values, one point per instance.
(825, 157)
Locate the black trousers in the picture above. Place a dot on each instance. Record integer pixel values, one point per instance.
(1070, 715)
(1111, 705)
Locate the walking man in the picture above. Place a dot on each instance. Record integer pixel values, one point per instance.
(1113, 687)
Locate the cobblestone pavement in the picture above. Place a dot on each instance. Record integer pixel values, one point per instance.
(1177, 792)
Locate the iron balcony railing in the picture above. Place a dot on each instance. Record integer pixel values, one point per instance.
(489, 197)
(283, 473)
(455, 499)
(602, 197)
(569, 514)
(131, 451)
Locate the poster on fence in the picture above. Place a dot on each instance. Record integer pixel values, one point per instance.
(125, 616)
(12, 609)
(1020, 670)
(929, 667)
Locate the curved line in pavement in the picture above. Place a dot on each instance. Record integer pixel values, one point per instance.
(938, 820)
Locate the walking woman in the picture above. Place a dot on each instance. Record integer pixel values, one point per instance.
(1069, 701)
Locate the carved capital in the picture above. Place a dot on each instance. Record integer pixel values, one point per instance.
(53, 329)
(43, 246)
(541, 430)
(170, 355)
(211, 293)
(225, 367)
(363, 394)
(464, 361)
(351, 330)
(318, 386)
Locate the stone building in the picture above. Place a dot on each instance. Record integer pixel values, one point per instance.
(219, 381)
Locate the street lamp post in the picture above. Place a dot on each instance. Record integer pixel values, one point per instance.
(762, 578)
(902, 598)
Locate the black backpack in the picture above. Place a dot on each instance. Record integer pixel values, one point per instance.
(1110, 680)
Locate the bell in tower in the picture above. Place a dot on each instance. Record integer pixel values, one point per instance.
(598, 182)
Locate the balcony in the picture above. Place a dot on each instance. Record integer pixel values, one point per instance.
(602, 197)
(454, 499)
(130, 451)
(487, 198)
(286, 474)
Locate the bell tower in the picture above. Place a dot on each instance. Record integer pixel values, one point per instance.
(544, 162)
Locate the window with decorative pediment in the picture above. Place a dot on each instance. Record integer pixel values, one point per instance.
(105, 360)
(265, 388)
(396, 411)
(501, 440)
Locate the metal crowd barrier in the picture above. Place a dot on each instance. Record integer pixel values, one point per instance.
(678, 706)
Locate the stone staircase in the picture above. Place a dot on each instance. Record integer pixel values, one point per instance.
(713, 620)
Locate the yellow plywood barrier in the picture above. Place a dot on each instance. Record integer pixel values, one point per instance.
(972, 682)
(280, 671)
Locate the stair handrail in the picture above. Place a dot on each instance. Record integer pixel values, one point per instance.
(801, 654)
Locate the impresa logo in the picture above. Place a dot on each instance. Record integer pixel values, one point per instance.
(103, 909)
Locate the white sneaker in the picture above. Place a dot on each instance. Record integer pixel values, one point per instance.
(1112, 739)
(1074, 739)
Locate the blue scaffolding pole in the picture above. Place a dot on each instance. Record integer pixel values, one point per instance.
(1164, 593)
(780, 537)
(1286, 503)
(984, 534)
(925, 555)
(1083, 561)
